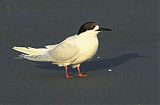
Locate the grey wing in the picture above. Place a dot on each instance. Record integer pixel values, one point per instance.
(64, 52)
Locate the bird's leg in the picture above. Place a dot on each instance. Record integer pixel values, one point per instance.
(79, 72)
(67, 75)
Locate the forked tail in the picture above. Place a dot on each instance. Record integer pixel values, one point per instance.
(35, 54)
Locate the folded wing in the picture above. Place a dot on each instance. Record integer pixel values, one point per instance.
(65, 53)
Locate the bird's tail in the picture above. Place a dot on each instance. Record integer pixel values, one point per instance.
(34, 54)
(30, 50)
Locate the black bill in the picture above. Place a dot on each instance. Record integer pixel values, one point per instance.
(104, 29)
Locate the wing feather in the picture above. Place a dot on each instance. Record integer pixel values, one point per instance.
(66, 51)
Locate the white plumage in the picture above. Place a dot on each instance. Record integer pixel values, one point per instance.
(72, 51)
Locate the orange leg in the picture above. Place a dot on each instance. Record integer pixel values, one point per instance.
(67, 75)
(79, 73)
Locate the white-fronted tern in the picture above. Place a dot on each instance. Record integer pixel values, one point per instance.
(72, 51)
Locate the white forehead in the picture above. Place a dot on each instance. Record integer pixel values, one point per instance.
(96, 27)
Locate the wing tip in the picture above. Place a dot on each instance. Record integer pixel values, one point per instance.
(14, 47)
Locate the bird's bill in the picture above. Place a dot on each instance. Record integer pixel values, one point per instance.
(104, 29)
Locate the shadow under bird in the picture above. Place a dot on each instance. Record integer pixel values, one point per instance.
(72, 51)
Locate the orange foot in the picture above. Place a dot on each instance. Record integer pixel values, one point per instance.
(69, 76)
(82, 75)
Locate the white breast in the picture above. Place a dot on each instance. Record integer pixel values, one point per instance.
(88, 46)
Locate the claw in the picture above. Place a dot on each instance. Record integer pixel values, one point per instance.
(82, 75)
(69, 76)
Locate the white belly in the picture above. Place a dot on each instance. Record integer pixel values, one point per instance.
(88, 49)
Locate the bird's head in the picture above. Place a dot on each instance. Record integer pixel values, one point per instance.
(91, 27)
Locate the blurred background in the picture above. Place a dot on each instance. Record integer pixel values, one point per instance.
(131, 51)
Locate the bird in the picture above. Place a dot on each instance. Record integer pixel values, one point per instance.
(73, 50)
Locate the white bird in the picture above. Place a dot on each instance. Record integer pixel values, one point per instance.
(72, 51)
